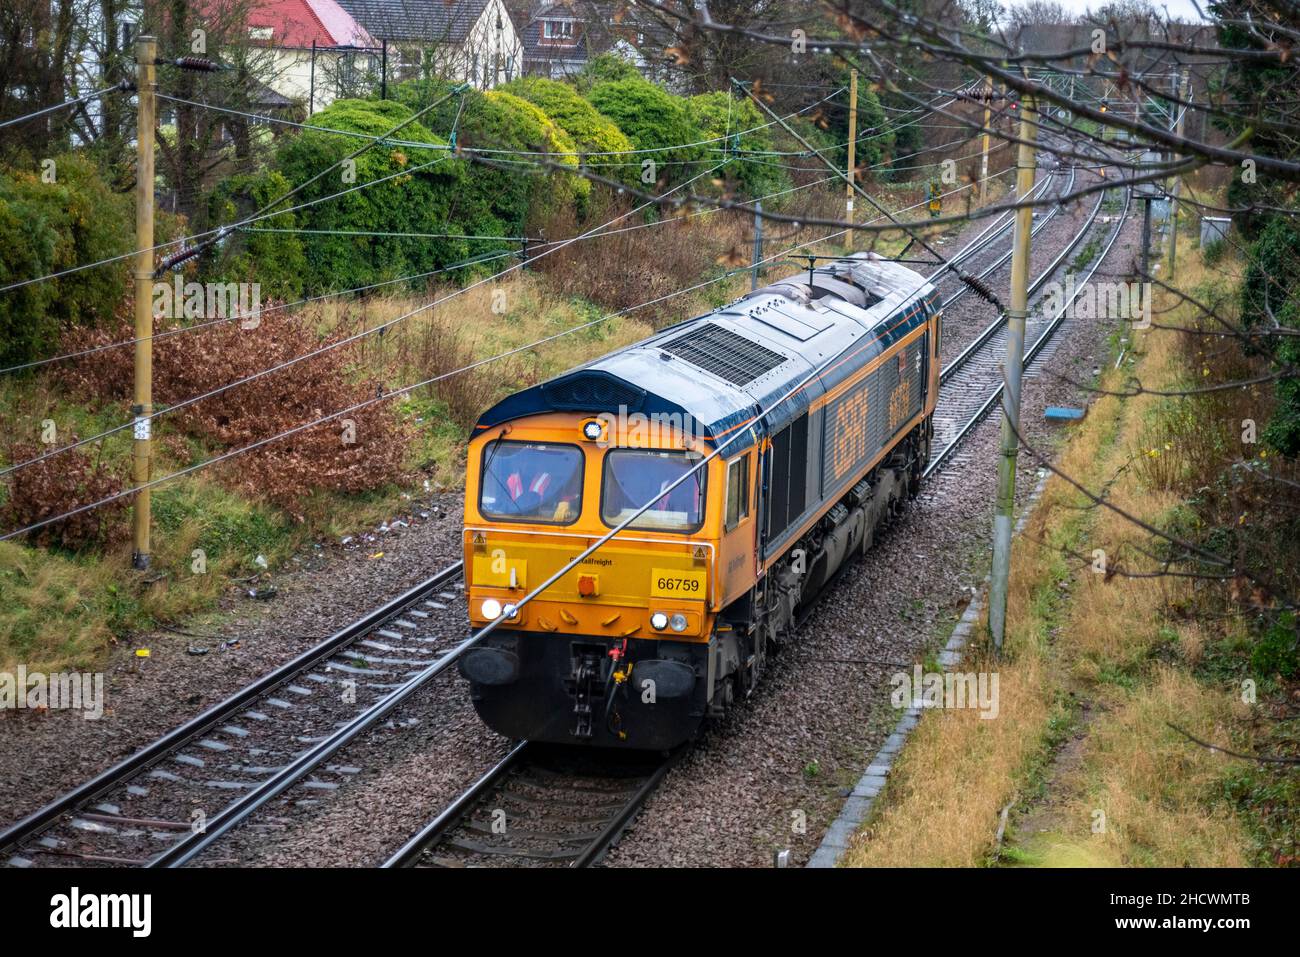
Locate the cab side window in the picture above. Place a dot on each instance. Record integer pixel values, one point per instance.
(737, 491)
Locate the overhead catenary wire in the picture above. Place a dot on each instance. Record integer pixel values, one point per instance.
(294, 190)
(434, 379)
(384, 234)
(182, 330)
(488, 257)
(207, 237)
(207, 234)
(386, 139)
(122, 87)
(375, 330)
(223, 320)
(388, 396)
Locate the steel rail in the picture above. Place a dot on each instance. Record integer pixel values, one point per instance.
(610, 833)
(1034, 231)
(996, 325)
(409, 853)
(429, 836)
(36, 822)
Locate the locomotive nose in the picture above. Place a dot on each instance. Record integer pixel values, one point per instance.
(578, 689)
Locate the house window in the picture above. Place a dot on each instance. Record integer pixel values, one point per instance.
(557, 29)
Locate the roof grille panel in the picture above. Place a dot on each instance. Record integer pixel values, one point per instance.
(724, 353)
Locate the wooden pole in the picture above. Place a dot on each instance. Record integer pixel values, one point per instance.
(146, 56)
(853, 152)
(1013, 366)
(984, 156)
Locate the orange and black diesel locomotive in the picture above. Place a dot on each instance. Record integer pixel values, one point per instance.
(829, 376)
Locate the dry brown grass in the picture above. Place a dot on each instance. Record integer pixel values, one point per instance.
(1156, 789)
(1159, 793)
(956, 774)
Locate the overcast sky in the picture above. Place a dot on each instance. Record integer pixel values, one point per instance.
(1178, 9)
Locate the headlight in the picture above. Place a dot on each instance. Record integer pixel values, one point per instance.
(511, 611)
(677, 622)
(592, 430)
(659, 621)
(491, 609)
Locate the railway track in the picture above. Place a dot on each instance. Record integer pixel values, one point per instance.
(169, 801)
(997, 230)
(971, 384)
(540, 806)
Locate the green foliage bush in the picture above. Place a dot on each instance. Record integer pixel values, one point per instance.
(876, 138)
(498, 120)
(591, 131)
(49, 227)
(653, 119)
(495, 201)
(736, 124)
(1269, 294)
(605, 68)
(276, 260)
(1277, 652)
(421, 200)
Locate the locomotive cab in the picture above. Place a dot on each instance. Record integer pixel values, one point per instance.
(616, 649)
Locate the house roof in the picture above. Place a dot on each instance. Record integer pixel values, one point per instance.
(299, 23)
(436, 20)
(536, 47)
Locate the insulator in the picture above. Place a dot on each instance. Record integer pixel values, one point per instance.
(980, 288)
(198, 64)
(178, 258)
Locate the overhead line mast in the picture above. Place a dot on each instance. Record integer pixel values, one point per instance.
(146, 57)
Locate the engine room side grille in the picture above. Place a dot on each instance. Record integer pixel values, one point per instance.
(724, 353)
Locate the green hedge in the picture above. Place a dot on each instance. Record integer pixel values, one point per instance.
(501, 120)
(277, 261)
(722, 116)
(604, 68)
(1269, 294)
(653, 119)
(591, 131)
(421, 201)
(49, 227)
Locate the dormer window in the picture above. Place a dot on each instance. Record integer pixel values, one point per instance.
(557, 29)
